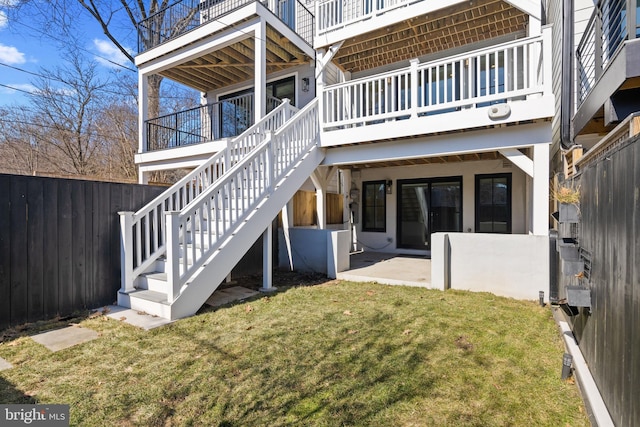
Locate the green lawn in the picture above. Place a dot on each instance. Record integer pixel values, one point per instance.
(335, 354)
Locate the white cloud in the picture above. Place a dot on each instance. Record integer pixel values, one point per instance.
(20, 86)
(11, 55)
(109, 52)
(3, 20)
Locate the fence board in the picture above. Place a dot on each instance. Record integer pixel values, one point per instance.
(5, 251)
(609, 333)
(50, 250)
(19, 299)
(78, 245)
(65, 226)
(35, 231)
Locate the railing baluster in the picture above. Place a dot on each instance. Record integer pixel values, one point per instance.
(500, 73)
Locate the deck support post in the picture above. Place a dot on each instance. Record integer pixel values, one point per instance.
(267, 260)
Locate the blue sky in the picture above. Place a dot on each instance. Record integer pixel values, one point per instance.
(23, 46)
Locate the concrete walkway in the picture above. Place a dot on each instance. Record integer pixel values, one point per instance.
(4, 365)
(135, 317)
(388, 269)
(60, 339)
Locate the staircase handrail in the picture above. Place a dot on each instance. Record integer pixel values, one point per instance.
(261, 169)
(142, 253)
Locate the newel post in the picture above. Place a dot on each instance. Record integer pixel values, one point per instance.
(126, 252)
(287, 110)
(414, 87)
(173, 254)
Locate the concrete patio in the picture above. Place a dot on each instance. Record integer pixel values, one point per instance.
(388, 269)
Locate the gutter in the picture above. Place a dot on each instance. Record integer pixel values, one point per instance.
(566, 93)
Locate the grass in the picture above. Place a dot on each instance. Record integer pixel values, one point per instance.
(334, 354)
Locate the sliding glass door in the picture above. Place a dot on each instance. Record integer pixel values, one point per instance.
(428, 206)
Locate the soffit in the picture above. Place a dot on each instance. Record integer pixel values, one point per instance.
(491, 155)
(427, 34)
(235, 63)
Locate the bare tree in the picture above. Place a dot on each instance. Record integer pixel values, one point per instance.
(119, 22)
(118, 125)
(21, 148)
(69, 101)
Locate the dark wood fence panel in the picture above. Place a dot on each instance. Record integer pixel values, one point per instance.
(609, 333)
(60, 244)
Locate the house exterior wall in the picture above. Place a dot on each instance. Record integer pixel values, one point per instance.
(300, 72)
(379, 241)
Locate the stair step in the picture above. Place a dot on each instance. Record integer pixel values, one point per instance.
(152, 296)
(153, 281)
(151, 302)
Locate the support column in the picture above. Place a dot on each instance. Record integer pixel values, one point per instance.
(143, 177)
(260, 67)
(287, 223)
(540, 205)
(267, 260)
(143, 111)
(320, 179)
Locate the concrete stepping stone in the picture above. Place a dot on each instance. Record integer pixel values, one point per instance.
(64, 338)
(135, 317)
(225, 296)
(4, 365)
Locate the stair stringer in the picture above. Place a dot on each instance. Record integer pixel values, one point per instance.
(207, 279)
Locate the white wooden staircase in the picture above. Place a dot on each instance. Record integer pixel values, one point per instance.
(179, 248)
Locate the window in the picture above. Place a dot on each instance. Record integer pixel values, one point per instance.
(493, 203)
(374, 206)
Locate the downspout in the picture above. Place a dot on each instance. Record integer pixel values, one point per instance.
(566, 94)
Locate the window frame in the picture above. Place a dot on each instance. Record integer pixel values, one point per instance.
(509, 179)
(374, 205)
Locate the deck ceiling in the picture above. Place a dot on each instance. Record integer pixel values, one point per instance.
(491, 155)
(427, 34)
(235, 63)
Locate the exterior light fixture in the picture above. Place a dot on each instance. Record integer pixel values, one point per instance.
(389, 186)
(305, 84)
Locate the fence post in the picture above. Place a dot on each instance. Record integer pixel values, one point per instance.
(173, 254)
(126, 252)
(414, 87)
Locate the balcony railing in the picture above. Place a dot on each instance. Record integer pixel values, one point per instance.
(224, 119)
(604, 35)
(501, 73)
(185, 15)
(334, 14)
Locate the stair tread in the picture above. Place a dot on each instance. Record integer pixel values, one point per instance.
(158, 275)
(159, 297)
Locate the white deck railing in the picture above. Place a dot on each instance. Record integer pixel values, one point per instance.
(201, 227)
(502, 73)
(335, 14)
(143, 232)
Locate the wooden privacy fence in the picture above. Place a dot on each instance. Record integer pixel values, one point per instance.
(305, 212)
(609, 333)
(60, 244)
